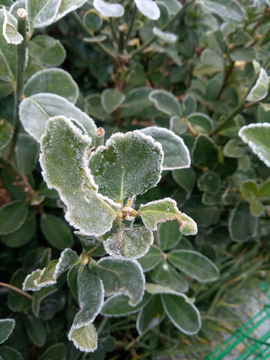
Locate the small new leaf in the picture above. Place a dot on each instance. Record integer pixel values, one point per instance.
(10, 29)
(260, 89)
(84, 338)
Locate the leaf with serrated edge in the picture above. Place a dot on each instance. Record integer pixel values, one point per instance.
(128, 165)
(148, 8)
(150, 260)
(260, 89)
(91, 297)
(166, 102)
(118, 305)
(111, 99)
(130, 243)
(257, 136)
(10, 29)
(194, 264)
(36, 110)
(109, 10)
(150, 315)
(166, 37)
(161, 210)
(84, 338)
(180, 311)
(64, 160)
(176, 154)
(6, 328)
(122, 275)
(53, 81)
(159, 289)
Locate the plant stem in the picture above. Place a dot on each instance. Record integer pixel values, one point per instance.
(113, 29)
(226, 80)
(16, 289)
(102, 325)
(179, 16)
(131, 24)
(21, 61)
(102, 47)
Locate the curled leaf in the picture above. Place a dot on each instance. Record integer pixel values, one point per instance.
(110, 10)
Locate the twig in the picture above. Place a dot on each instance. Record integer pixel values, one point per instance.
(131, 24)
(16, 289)
(226, 80)
(113, 30)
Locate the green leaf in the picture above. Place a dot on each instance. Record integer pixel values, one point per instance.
(164, 274)
(95, 107)
(130, 243)
(249, 190)
(165, 36)
(209, 182)
(118, 305)
(35, 330)
(8, 57)
(136, 101)
(10, 32)
(149, 9)
(56, 231)
(9, 353)
(39, 296)
(107, 9)
(54, 352)
(6, 133)
(122, 275)
(159, 289)
(166, 209)
(211, 57)
(25, 154)
(64, 160)
(73, 280)
(95, 39)
(204, 152)
(150, 260)
(30, 280)
(12, 216)
(182, 313)
(36, 110)
(229, 10)
(41, 14)
(54, 81)
(178, 126)
(168, 234)
(165, 102)
(201, 123)
(231, 149)
(84, 338)
(185, 178)
(67, 6)
(260, 89)
(242, 224)
(91, 294)
(111, 99)
(257, 137)
(23, 235)
(128, 165)
(176, 154)
(194, 265)
(256, 207)
(6, 328)
(92, 20)
(151, 315)
(47, 50)
(264, 189)
(16, 301)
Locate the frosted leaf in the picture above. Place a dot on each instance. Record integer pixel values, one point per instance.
(120, 275)
(166, 37)
(166, 275)
(211, 57)
(107, 9)
(36, 110)
(6, 133)
(6, 328)
(53, 81)
(111, 99)
(260, 89)
(178, 126)
(165, 102)
(194, 264)
(10, 29)
(228, 10)
(150, 260)
(91, 297)
(129, 243)
(84, 338)
(159, 289)
(151, 315)
(161, 210)
(29, 282)
(64, 160)
(87, 240)
(257, 136)
(176, 153)
(136, 100)
(128, 165)
(174, 6)
(95, 39)
(42, 13)
(67, 6)
(182, 312)
(148, 8)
